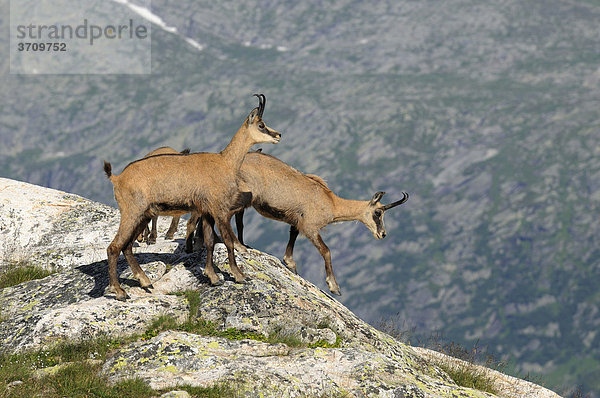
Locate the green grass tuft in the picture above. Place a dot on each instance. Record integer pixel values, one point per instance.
(325, 344)
(470, 371)
(22, 273)
(469, 375)
(78, 379)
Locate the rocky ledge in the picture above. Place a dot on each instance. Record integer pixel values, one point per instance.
(69, 234)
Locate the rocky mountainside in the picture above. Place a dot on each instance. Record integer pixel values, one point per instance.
(487, 114)
(64, 232)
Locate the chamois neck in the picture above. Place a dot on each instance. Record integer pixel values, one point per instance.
(347, 209)
(237, 148)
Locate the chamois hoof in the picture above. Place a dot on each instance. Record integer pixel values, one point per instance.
(214, 281)
(240, 248)
(290, 265)
(122, 298)
(335, 291)
(145, 283)
(148, 288)
(218, 283)
(292, 270)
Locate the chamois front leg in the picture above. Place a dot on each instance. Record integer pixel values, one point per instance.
(228, 238)
(324, 250)
(172, 227)
(209, 244)
(288, 259)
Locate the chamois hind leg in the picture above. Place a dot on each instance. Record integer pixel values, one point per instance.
(144, 235)
(128, 228)
(138, 272)
(153, 234)
(238, 243)
(324, 250)
(209, 244)
(239, 224)
(191, 228)
(172, 227)
(289, 250)
(228, 238)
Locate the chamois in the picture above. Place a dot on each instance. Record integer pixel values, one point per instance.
(150, 236)
(282, 193)
(169, 184)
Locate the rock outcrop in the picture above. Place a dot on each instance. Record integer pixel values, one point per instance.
(69, 234)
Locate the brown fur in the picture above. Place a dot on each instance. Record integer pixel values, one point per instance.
(282, 193)
(150, 234)
(169, 184)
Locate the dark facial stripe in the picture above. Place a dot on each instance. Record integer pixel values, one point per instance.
(378, 223)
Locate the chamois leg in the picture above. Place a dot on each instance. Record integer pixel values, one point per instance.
(238, 243)
(153, 234)
(128, 231)
(289, 250)
(324, 250)
(172, 227)
(228, 238)
(239, 224)
(189, 235)
(138, 272)
(144, 235)
(209, 244)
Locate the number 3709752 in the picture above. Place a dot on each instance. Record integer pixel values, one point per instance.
(42, 46)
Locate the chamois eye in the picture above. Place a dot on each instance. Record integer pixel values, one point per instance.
(261, 125)
(378, 213)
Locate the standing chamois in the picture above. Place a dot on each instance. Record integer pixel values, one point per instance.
(150, 235)
(170, 184)
(282, 193)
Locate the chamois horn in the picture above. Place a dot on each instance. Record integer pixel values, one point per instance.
(404, 199)
(262, 100)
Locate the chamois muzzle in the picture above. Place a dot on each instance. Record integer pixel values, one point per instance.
(404, 199)
(275, 134)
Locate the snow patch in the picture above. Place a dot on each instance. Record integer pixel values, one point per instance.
(158, 21)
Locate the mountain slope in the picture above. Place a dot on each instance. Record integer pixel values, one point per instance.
(274, 335)
(486, 114)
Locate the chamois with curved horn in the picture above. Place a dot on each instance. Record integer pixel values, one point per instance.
(169, 184)
(282, 193)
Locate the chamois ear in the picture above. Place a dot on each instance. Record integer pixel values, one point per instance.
(253, 114)
(376, 198)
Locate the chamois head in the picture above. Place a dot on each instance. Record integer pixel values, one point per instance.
(257, 128)
(373, 215)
